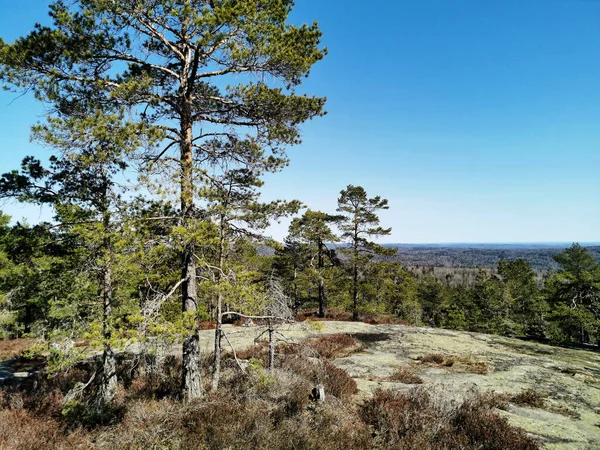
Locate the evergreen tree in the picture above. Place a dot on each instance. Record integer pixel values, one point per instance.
(574, 294)
(215, 77)
(528, 307)
(314, 230)
(80, 183)
(360, 223)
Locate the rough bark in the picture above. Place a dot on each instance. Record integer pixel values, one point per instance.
(321, 264)
(109, 364)
(355, 272)
(191, 374)
(216, 374)
(271, 347)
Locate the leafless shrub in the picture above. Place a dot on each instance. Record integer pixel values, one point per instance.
(529, 397)
(406, 376)
(435, 358)
(414, 420)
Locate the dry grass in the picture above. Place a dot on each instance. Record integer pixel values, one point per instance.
(432, 358)
(533, 398)
(460, 364)
(469, 364)
(406, 376)
(12, 348)
(529, 397)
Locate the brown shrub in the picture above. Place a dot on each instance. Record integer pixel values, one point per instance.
(407, 420)
(469, 364)
(484, 428)
(372, 319)
(260, 351)
(564, 411)
(207, 325)
(413, 421)
(336, 315)
(529, 397)
(336, 381)
(12, 348)
(223, 421)
(333, 315)
(465, 364)
(406, 376)
(448, 362)
(328, 346)
(333, 346)
(25, 431)
(435, 358)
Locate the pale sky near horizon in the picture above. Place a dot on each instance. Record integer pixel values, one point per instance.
(479, 121)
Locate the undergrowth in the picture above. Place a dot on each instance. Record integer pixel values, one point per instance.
(255, 409)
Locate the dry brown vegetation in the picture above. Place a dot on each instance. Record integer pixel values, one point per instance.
(12, 348)
(435, 358)
(258, 410)
(415, 421)
(534, 398)
(406, 376)
(461, 363)
(329, 347)
(255, 409)
(529, 397)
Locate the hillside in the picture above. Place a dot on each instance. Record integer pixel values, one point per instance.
(552, 393)
(564, 384)
(567, 381)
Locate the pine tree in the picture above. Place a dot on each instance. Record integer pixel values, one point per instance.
(574, 293)
(216, 78)
(80, 183)
(314, 229)
(359, 224)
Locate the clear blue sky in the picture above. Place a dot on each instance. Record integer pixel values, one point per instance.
(479, 121)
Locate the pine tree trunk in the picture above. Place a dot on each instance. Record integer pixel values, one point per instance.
(191, 374)
(216, 375)
(355, 275)
(321, 281)
(271, 348)
(355, 292)
(109, 365)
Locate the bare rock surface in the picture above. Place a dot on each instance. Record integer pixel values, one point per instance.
(568, 379)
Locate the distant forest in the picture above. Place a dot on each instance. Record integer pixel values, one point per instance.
(471, 256)
(541, 259)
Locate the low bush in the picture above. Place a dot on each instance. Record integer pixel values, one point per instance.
(529, 397)
(464, 364)
(333, 346)
(406, 376)
(414, 420)
(255, 409)
(482, 427)
(435, 358)
(23, 430)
